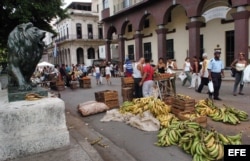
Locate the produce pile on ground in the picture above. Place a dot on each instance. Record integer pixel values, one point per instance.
(201, 143)
(224, 114)
(159, 109)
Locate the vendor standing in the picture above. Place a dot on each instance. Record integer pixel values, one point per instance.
(215, 74)
(147, 82)
(137, 75)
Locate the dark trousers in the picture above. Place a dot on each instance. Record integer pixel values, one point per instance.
(238, 79)
(204, 82)
(138, 88)
(216, 78)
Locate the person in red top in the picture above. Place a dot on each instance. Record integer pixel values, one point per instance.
(147, 82)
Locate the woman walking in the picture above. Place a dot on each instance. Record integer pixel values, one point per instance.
(108, 73)
(239, 65)
(204, 73)
(187, 69)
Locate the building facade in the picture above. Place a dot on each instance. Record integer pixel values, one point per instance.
(78, 36)
(176, 28)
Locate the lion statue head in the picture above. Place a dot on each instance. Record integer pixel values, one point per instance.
(25, 49)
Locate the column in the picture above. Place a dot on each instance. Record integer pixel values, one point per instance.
(107, 49)
(194, 37)
(138, 45)
(121, 48)
(162, 41)
(241, 31)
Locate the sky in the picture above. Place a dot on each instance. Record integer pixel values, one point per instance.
(67, 2)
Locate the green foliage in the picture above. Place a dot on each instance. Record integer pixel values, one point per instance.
(39, 12)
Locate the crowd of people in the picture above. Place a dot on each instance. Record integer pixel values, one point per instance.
(197, 73)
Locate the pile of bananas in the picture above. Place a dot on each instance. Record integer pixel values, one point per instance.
(191, 116)
(224, 114)
(183, 97)
(140, 105)
(202, 144)
(175, 131)
(165, 120)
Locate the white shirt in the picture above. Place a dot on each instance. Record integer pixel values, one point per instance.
(107, 70)
(187, 66)
(97, 70)
(136, 72)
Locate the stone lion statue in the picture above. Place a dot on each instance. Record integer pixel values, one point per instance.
(25, 47)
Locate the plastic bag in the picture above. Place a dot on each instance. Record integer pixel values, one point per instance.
(246, 74)
(210, 86)
(182, 76)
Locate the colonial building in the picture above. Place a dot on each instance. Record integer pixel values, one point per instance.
(176, 28)
(79, 36)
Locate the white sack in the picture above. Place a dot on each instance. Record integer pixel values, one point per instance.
(115, 115)
(91, 107)
(145, 122)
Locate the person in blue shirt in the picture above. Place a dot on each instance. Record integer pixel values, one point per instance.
(215, 73)
(128, 68)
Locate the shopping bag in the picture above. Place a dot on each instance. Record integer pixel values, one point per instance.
(182, 76)
(210, 86)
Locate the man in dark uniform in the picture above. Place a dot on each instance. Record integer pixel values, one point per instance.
(216, 72)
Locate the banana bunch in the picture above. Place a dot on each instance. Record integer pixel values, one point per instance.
(165, 120)
(33, 97)
(207, 145)
(191, 116)
(183, 97)
(140, 105)
(175, 132)
(224, 114)
(241, 115)
(169, 136)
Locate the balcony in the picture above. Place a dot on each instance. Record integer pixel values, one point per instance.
(125, 4)
(79, 37)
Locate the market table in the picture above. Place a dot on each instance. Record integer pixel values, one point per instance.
(166, 84)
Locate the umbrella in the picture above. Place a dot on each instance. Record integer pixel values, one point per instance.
(44, 64)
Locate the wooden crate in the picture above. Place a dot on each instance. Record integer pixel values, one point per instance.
(127, 80)
(183, 104)
(73, 84)
(168, 100)
(127, 92)
(107, 95)
(131, 85)
(60, 88)
(175, 111)
(112, 103)
(85, 82)
(202, 120)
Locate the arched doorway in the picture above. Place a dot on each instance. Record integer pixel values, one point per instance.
(79, 55)
(91, 53)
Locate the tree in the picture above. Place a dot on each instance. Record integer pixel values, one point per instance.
(39, 12)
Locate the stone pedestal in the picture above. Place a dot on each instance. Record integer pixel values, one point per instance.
(29, 127)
